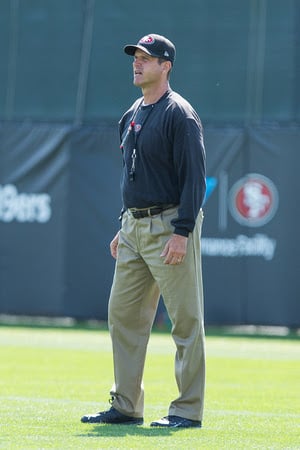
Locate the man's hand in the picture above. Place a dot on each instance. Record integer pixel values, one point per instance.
(114, 246)
(175, 249)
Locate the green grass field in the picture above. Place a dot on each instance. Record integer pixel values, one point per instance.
(51, 377)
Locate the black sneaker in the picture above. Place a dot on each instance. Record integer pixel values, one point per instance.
(176, 422)
(112, 416)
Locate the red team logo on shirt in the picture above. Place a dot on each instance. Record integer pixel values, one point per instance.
(253, 200)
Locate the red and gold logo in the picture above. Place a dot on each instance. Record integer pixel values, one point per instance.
(253, 200)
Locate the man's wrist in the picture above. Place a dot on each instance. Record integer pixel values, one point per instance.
(182, 232)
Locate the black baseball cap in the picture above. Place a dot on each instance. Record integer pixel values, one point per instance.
(154, 45)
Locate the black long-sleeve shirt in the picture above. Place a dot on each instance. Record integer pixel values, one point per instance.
(169, 167)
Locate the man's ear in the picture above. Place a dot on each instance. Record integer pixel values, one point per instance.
(168, 65)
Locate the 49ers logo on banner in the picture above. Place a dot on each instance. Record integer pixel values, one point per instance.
(253, 200)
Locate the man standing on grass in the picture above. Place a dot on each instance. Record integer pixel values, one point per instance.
(157, 249)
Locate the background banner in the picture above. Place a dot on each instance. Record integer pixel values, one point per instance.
(59, 207)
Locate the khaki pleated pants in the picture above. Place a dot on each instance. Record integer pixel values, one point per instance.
(139, 279)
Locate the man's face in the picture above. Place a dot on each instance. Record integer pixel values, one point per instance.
(146, 70)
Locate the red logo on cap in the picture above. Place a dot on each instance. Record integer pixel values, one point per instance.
(147, 40)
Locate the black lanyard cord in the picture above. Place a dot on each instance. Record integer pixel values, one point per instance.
(136, 135)
(131, 125)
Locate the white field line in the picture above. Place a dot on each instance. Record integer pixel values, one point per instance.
(219, 412)
(162, 344)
